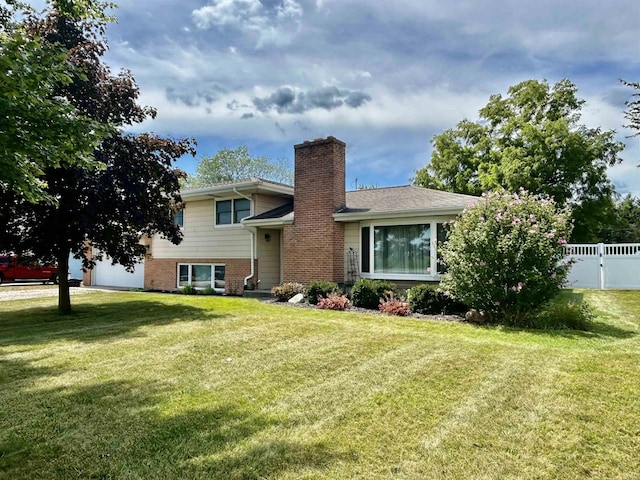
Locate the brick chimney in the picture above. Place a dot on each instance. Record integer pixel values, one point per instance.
(314, 244)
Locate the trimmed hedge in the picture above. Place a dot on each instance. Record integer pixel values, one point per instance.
(366, 293)
(429, 300)
(318, 289)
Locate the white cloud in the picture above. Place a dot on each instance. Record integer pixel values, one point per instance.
(270, 28)
(238, 13)
(289, 9)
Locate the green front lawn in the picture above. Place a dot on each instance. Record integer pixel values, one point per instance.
(152, 386)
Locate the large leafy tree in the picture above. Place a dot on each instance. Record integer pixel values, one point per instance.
(235, 164)
(38, 129)
(633, 114)
(626, 225)
(131, 194)
(531, 139)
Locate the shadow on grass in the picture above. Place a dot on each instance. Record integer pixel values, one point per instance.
(116, 429)
(90, 322)
(595, 330)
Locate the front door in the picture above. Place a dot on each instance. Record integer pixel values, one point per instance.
(269, 270)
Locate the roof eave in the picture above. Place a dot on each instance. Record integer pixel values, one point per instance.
(430, 212)
(219, 190)
(267, 222)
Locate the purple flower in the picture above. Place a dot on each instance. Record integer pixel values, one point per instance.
(532, 218)
(516, 221)
(562, 241)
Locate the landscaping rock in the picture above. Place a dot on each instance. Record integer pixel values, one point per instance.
(298, 298)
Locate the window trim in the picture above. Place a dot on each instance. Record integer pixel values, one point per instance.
(181, 224)
(433, 264)
(190, 273)
(233, 223)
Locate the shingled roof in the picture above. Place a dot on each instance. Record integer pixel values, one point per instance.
(405, 200)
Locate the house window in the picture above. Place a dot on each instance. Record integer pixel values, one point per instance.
(223, 212)
(178, 218)
(241, 209)
(232, 211)
(201, 275)
(399, 252)
(402, 249)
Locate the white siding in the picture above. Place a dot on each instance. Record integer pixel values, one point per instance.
(264, 203)
(351, 240)
(202, 239)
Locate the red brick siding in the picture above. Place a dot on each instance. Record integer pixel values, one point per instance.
(162, 273)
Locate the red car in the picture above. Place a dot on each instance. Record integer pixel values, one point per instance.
(11, 270)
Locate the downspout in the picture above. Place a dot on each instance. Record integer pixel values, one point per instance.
(252, 232)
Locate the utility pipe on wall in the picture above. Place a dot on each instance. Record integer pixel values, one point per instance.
(252, 233)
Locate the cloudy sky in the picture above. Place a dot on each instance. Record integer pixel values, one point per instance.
(384, 77)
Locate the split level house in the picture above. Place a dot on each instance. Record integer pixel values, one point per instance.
(254, 233)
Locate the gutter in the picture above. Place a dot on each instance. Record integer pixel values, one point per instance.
(252, 232)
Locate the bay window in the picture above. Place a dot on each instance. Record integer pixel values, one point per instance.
(401, 251)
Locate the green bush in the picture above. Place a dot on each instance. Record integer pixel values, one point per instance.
(188, 290)
(505, 255)
(559, 316)
(431, 300)
(366, 293)
(209, 291)
(287, 290)
(317, 289)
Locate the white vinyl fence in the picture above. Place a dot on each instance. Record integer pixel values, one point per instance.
(615, 266)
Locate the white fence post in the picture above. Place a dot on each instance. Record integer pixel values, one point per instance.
(601, 253)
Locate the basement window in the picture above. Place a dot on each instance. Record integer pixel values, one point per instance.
(201, 275)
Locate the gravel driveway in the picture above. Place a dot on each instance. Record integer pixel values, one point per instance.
(12, 294)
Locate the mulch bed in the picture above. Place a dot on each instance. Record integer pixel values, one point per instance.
(442, 318)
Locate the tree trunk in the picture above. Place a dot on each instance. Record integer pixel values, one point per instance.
(64, 298)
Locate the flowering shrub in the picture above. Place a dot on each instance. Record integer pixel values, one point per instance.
(366, 293)
(393, 306)
(429, 300)
(286, 290)
(333, 301)
(505, 255)
(318, 289)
